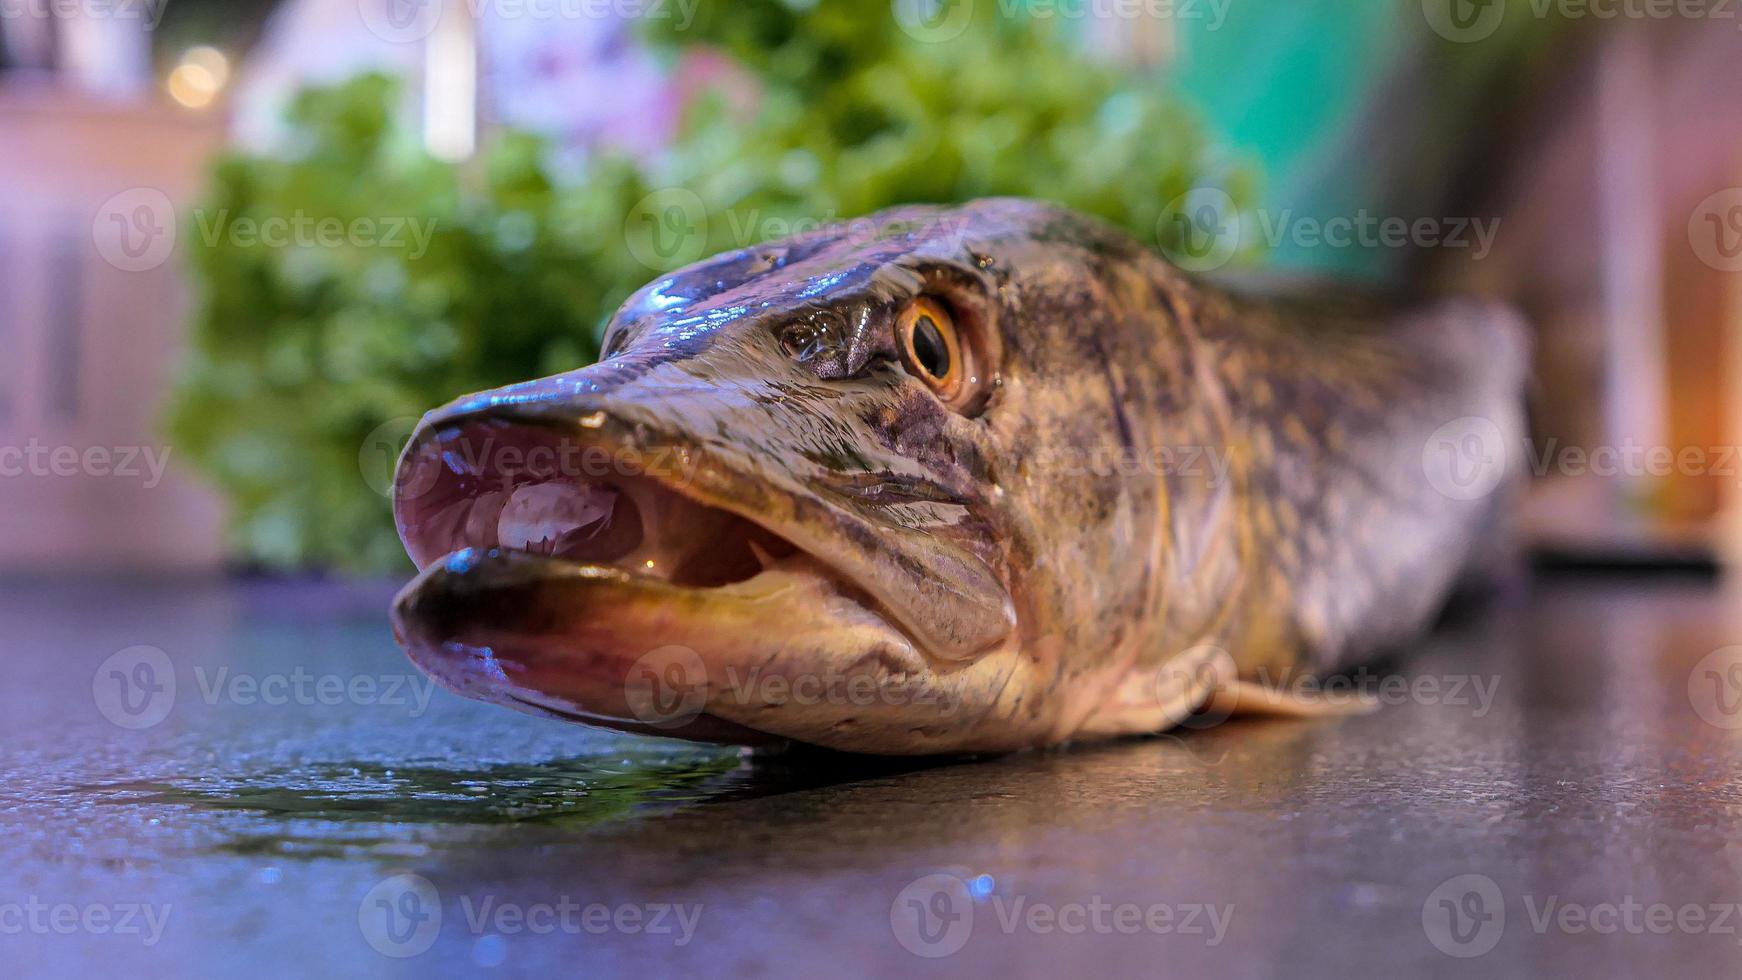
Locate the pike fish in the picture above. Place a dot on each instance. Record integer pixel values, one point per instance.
(955, 480)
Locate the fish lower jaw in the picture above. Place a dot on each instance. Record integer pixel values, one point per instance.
(608, 647)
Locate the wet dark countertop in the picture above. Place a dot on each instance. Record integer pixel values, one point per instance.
(1554, 788)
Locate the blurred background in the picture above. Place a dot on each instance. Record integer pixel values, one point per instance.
(245, 243)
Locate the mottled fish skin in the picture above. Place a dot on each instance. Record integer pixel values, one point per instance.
(1269, 498)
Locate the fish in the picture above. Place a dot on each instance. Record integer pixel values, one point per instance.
(954, 480)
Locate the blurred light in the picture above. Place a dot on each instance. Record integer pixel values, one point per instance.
(212, 60)
(200, 76)
(450, 78)
(192, 86)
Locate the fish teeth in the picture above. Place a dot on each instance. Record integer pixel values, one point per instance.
(762, 556)
(537, 516)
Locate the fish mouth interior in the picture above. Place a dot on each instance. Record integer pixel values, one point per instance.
(527, 488)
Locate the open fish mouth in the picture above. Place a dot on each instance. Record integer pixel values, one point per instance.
(528, 489)
(568, 576)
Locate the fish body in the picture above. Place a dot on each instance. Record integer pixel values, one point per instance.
(952, 479)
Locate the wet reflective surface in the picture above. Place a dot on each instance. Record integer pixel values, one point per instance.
(1552, 789)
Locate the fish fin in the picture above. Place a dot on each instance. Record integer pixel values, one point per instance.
(1236, 697)
(1200, 688)
(1155, 699)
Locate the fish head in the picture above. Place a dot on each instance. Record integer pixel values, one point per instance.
(801, 496)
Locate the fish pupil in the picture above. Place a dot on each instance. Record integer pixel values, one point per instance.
(930, 351)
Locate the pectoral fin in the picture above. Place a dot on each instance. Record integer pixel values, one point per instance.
(1235, 698)
(1200, 688)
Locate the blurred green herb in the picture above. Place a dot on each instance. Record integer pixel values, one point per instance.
(303, 355)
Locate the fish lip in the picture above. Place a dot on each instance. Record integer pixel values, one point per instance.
(708, 727)
(689, 471)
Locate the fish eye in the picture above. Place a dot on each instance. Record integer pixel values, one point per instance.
(933, 350)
